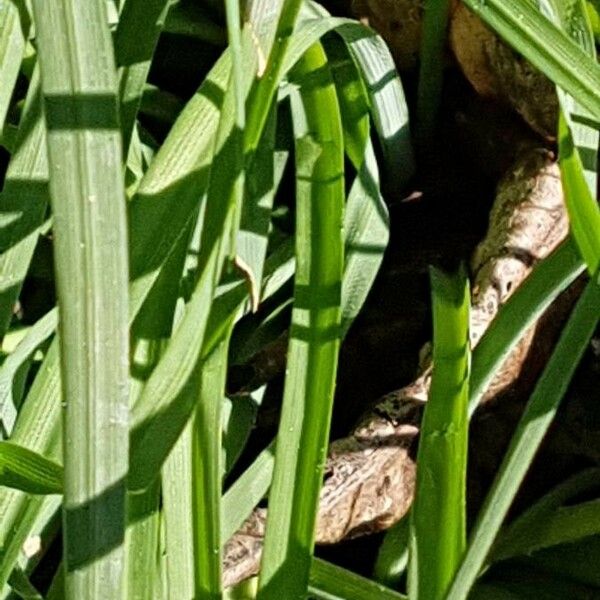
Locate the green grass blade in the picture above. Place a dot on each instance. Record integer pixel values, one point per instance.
(178, 520)
(247, 491)
(142, 539)
(578, 139)
(549, 523)
(23, 587)
(25, 470)
(571, 17)
(366, 222)
(584, 213)
(547, 280)
(207, 472)
(12, 48)
(160, 104)
(168, 195)
(515, 538)
(149, 333)
(271, 50)
(438, 514)
(27, 174)
(157, 422)
(314, 336)
(532, 427)
(366, 228)
(431, 68)
(386, 99)
(239, 419)
(26, 178)
(57, 587)
(15, 362)
(392, 557)
(352, 97)
(20, 511)
(81, 104)
(330, 582)
(234, 34)
(158, 215)
(552, 52)
(136, 36)
(389, 110)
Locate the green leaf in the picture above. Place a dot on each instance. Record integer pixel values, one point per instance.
(532, 427)
(142, 539)
(330, 582)
(149, 332)
(88, 203)
(366, 223)
(239, 418)
(25, 470)
(246, 492)
(135, 39)
(192, 20)
(577, 561)
(14, 363)
(389, 109)
(584, 213)
(392, 557)
(20, 584)
(549, 522)
(23, 202)
(12, 48)
(431, 68)
(438, 514)
(578, 137)
(314, 335)
(178, 517)
(207, 472)
(551, 51)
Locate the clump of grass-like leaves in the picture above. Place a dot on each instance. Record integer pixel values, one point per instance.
(171, 224)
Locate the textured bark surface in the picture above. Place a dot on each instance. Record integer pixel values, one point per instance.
(495, 70)
(370, 475)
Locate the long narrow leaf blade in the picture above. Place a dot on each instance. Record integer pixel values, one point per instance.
(12, 46)
(532, 427)
(27, 471)
(526, 29)
(330, 582)
(438, 528)
(84, 144)
(314, 336)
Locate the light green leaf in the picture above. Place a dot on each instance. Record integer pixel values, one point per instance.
(438, 514)
(314, 334)
(28, 471)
